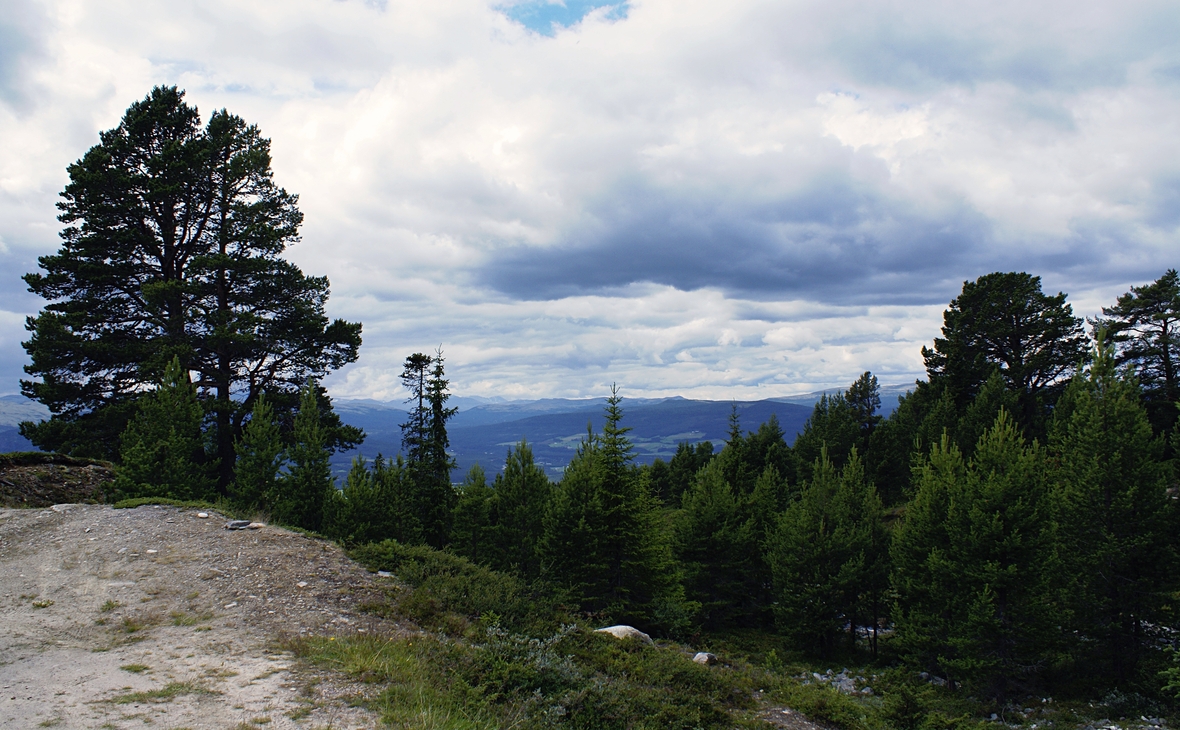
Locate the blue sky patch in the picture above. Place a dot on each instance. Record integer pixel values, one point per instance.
(543, 16)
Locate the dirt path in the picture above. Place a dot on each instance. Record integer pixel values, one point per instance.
(121, 618)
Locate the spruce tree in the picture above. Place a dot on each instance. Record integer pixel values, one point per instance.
(259, 457)
(605, 539)
(163, 452)
(301, 494)
(424, 438)
(1116, 541)
(714, 546)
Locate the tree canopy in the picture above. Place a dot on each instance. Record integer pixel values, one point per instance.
(172, 248)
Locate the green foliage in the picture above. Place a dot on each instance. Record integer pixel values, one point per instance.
(424, 438)
(259, 457)
(520, 498)
(1005, 321)
(974, 563)
(182, 503)
(828, 557)
(714, 546)
(163, 452)
(449, 591)
(471, 527)
(376, 504)
(1116, 533)
(300, 496)
(172, 248)
(605, 540)
(832, 429)
(1144, 325)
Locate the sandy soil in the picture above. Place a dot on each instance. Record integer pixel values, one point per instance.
(157, 617)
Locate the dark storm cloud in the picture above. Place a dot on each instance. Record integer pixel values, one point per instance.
(833, 241)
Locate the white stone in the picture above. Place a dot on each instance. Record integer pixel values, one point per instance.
(202, 515)
(704, 657)
(623, 631)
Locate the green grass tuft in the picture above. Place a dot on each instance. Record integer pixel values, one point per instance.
(166, 693)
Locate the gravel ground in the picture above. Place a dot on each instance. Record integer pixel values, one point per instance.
(156, 616)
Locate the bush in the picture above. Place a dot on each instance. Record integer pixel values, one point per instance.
(446, 587)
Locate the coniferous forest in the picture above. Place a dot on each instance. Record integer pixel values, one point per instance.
(1009, 534)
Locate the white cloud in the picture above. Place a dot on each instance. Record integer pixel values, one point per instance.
(718, 199)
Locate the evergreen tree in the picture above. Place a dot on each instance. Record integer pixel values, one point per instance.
(1005, 321)
(172, 247)
(827, 557)
(471, 527)
(424, 438)
(1116, 539)
(714, 546)
(521, 496)
(605, 540)
(163, 450)
(976, 593)
(1145, 327)
(301, 494)
(259, 457)
(832, 427)
(864, 400)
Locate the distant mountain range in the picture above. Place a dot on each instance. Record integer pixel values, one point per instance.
(485, 429)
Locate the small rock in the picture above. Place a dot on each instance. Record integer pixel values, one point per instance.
(122, 550)
(61, 507)
(152, 552)
(384, 574)
(202, 515)
(704, 657)
(231, 605)
(237, 524)
(301, 584)
(623, 631)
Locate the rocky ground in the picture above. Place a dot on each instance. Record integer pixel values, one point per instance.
(156, 616)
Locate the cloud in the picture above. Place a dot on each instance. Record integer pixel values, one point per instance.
(722, 199)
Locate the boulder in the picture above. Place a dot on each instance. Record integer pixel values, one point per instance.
(625, 632)
(237, 524)
(704, 657)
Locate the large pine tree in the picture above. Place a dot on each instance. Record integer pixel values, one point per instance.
(172, 247)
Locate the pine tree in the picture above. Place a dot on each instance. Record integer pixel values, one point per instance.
(471, 527)
(521, 496)
(1111, 485)
(976, 592)
(163, 452)
(172, 247)
(1145, 327)
(259, 458)
(714, 546)
(301, 494)
(832, 427)
(827, 556)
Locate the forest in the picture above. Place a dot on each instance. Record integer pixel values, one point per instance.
(1008, 533)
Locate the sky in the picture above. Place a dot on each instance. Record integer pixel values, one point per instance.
(732, 200)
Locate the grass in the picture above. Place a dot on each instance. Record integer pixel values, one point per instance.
(167, 693)
(42, 604)
(135, 668)
(164, 501)
(108, 606)
(180, 618)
